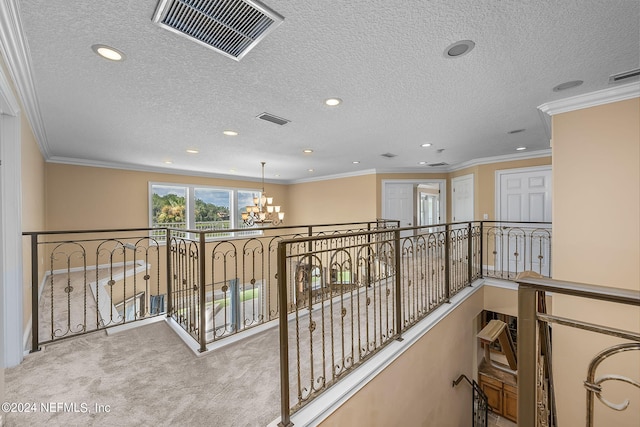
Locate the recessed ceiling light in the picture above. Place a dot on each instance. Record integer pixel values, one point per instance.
(191, 151)
(232, 170)
(458, 49)
(426, 144)
(422, 163)
(168, 162)
(567, 85)
(355, 162)
(521, 148)
(230, 133)
(108, 52)
(310, 170)
(307, 151)
(333, 102)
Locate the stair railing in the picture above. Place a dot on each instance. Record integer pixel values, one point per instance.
(480, 404)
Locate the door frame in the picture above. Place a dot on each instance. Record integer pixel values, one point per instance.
(442, 183)
(11, 318)
(498, 182)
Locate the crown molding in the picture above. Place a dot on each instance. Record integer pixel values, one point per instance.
(330, 177)
(15, 51)
(592, 99)
(500, 159)
(157, 169)
(142, 168)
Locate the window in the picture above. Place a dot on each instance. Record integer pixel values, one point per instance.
(199, 208)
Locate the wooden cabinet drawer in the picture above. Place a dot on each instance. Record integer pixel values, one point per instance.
(489, 380)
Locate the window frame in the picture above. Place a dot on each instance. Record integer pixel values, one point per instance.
(190, 201)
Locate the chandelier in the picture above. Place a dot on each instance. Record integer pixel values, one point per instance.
(263, 211)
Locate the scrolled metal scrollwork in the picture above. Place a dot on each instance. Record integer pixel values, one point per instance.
(593, 385)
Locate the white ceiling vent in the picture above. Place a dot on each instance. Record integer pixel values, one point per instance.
(231, 27)
(273, 119)
(615, 78)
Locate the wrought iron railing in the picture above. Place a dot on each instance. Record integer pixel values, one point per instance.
(536, 402)
(351, 295)
(479, 402)
(88, 280)
(92, 280)
(233, 281)
(510, 248)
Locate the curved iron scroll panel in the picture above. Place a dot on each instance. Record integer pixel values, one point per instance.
(593, 385)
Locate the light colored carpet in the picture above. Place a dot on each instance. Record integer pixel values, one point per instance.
(148, 377)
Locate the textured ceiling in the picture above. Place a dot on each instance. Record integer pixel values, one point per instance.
(383, 58)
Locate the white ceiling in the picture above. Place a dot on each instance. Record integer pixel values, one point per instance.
(383, 58)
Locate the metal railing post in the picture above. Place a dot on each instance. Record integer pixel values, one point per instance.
(481, 251)
(527, 355)
(447, 262)
(398, 285)
(469, 254)
(35, 315)
(285, 410)
(169, 272)
(369, 278)
(203, 294)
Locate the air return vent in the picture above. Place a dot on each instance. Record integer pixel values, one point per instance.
(439, 164)
(273, 119)
(231, 27)
(389, 155)
(616, 78)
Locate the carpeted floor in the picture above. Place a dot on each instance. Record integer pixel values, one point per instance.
(146, 377)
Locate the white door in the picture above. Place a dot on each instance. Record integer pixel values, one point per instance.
(525, 195)
(462, 201)
(398, 203)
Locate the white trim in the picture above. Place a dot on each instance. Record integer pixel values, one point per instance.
(436, 170)
(164, 171)
(15, 50)
(593, 99)
(498, 178)
(11, 350)
(335, 176)
(500, 159)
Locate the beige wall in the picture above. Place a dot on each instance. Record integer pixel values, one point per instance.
(416, 389)
(596, 231)
(80, 197)
(340, 200)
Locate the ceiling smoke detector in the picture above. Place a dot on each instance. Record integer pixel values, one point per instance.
(230, 27)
